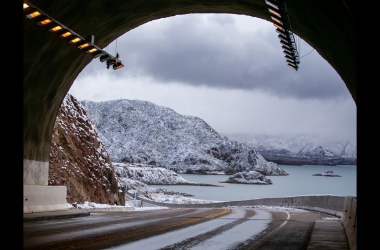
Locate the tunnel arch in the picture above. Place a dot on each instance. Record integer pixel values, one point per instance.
(51, 65)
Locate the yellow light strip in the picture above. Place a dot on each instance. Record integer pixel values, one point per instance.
(43, 22)
(92, 50)
(56, 28)
(68, 33)
(275, 19)
(274, 12)
(75, 40)
(278, 27)
(34, 14)
(83, 45)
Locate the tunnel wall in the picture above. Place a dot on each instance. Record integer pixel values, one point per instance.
(349, 221)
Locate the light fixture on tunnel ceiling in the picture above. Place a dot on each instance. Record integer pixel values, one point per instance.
(105, 57)
(74, 40)
(291, 63)
(287, 50)
(117, 65)
(287, 57)
(43, 21)
(284, 45)
(83, 45)
(53, 26)
(91, 50)
(278, 26)
(276, 20)
(65, 34)
(30, 12)
(33, 14)
(284, 39)
(283, 28)
(271, 3)
(274, 12)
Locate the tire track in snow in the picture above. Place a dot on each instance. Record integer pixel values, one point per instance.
(202, 232)
(231, 238)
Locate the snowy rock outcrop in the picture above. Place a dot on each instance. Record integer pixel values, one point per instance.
(135, 131)
(158, 194)
(251, 177)
(328, 173)
(150, 175)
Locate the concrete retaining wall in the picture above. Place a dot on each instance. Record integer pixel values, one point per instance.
(328, 204)
(115, 209)
(44, 198)
(349, 221)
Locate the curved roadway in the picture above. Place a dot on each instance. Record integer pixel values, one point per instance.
(177, 228)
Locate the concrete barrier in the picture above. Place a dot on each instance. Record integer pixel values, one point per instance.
(134, 203)
(114, 209)
(339, 206)
(328, 204)
(38, 198)
(349, 221)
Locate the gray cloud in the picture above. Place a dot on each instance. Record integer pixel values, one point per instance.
(229, 71)
(215, 53)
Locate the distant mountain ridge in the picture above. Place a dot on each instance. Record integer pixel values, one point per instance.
(136, 131)
(301, 149)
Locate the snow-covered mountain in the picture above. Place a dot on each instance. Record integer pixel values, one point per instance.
(80, 161)
(135, 131)
(301, 149)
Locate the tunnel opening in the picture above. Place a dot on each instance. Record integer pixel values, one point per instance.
(54, 93)
(161, 56)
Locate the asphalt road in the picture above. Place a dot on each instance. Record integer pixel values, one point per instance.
(177, 228)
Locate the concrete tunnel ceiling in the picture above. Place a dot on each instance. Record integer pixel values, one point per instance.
(51, 64)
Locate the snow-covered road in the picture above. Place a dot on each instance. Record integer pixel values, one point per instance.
(220, 233)
(229, 228)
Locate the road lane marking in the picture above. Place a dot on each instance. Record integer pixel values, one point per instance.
(261, 241)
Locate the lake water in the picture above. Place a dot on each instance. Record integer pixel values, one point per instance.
(300, 181)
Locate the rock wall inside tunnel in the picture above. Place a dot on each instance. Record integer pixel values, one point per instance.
(50, 64)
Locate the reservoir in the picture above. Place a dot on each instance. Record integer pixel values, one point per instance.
(300, 181)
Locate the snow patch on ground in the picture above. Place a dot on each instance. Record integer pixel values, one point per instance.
(268, 207)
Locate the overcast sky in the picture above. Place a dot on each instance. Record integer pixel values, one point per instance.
(228, 70)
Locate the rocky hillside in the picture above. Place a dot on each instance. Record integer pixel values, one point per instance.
(80, 161)
(135, 131)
